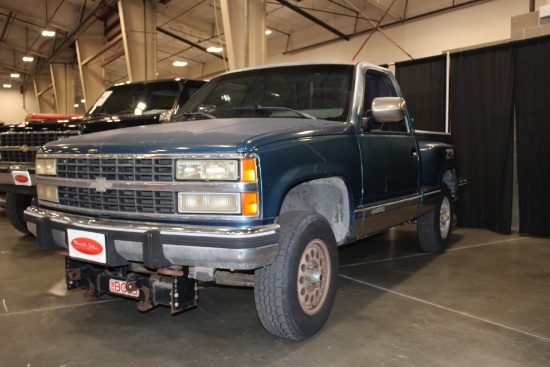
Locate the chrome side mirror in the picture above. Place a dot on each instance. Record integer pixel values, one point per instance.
(166, 116)
(389, 109)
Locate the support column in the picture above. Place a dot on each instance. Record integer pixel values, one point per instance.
(234, 19)
(63, 87)
(244, 23)
(138, 23)
(257, 53)
(44, 94)
(92, 73)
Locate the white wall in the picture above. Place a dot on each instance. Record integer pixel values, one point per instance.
(477, 24)
(481, 23)
(14, 106)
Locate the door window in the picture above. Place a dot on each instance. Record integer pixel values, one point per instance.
(378, 86)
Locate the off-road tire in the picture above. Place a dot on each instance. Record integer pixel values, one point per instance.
(295, 294)
(434, 228)
(15, 205)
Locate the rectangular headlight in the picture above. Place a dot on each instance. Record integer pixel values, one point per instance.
(47, 192)
(209, 203)
(46, 166)
(222, 170)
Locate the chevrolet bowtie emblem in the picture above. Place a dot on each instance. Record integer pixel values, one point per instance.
(24, 148)
(101, 184)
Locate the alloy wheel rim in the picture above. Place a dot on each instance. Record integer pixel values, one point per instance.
(314, 277)
(445, 218)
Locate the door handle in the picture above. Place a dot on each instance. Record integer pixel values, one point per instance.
(414, 152)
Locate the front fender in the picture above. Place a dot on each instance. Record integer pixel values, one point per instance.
(286, 164)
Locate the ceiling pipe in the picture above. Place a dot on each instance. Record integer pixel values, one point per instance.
(374, 30)
(313, 19)
(192, 44)
(376, 26)
(403, 21)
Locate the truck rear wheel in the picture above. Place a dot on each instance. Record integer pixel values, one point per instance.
(434, 228)
(15, 205)
(294, 295)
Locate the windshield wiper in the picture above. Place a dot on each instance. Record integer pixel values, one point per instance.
(264, 108)
(101, 114)
(198, 113)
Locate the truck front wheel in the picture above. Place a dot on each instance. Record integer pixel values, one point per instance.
(15, 205)
(434, 228)
(294, 295)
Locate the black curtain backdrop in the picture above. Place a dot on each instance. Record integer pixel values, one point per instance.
(532, 98)
(482, 126)
(423, 85)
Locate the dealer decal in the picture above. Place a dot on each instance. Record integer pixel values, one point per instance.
(87, 246)
(450, 153)
(21, 178)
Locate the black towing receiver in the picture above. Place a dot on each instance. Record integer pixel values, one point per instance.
(174, 288)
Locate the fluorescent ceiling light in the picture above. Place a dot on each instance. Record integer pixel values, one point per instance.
(76, 104)
(268, 32)
(83, 101)
(48, 33)
(7, 85)
(214, 49)
(180, 63)
(28, 58)
(14, 75)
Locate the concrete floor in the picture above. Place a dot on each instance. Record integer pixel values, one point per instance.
(485, 302)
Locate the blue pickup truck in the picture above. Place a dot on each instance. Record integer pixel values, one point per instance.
(265, 172)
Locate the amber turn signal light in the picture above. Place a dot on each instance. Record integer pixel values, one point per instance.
(249, 202)
(248, 169)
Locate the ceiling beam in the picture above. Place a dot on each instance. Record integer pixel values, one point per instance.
(80, 28)
(21, 71)
(9, 21)
(29, 19)
(388, 25)
(376, 4)
(23, 50)
(374, 29)
(376, 26)
(190, 43)
(104, 49)
(197, 24)
(313, 19)
(113, 58)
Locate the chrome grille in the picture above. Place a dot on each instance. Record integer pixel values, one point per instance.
(127, 201)
(20, 147)
(122, 169)
(17, 156)
(117, 169)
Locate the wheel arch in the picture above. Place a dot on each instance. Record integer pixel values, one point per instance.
(449, 177)
(329, 197)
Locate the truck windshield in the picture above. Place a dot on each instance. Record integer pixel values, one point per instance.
(136, 99)
(301, 91)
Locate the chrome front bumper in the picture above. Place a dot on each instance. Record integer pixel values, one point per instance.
(162, 245)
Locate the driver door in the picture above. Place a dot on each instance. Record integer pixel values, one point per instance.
(390, 163)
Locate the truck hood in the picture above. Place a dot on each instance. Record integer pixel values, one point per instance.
(201, 136)
(84, 124)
